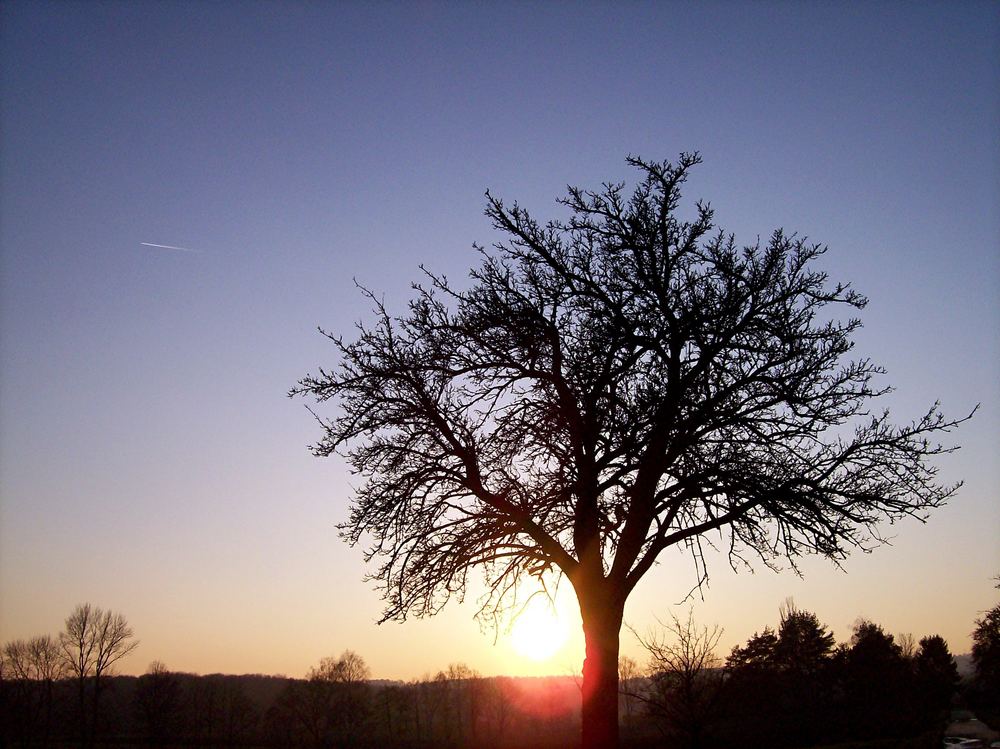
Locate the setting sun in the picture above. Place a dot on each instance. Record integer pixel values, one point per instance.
(499, 375)
(538, 632)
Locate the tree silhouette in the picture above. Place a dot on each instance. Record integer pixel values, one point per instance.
(629, 677)
(986, 659)
(608, 387)
(778, 685)
(685, 679)
(93, 641)
(33, 666)
(333, 702)
(936, 678)
(802, 654)
(875, 679)
(158, 703)
(803, 644)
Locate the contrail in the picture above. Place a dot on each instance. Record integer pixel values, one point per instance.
(168, 247)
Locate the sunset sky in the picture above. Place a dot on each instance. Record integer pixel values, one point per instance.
(187, 190)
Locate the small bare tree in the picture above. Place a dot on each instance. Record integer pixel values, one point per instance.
(907, 645)
(37, 659)
(17, 667)
(685, 677)
(93, 641)
(34, 666)
(333, 702)
(157, 702)
(628, 676)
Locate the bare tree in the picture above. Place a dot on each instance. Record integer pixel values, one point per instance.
(49, 667)
(499, 693)
(349, 668)
(93, 641)
(628, 678)
(158, 702)
(907, 645)
(30, 666)
(17, 665)
(77, 643)
(685, 677)
(47, 658)
(333, 701)
(608, 387)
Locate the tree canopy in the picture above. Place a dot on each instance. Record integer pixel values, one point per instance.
(609, 386)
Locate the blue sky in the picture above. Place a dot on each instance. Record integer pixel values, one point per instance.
(149, 459)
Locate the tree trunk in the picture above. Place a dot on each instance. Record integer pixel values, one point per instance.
(95, 716)
(84, 717)
(602, 621)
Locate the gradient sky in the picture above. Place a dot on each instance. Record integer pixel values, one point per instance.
(149, 459)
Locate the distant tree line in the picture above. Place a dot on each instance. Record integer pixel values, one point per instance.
(787, 686)
(336, 705)
(793, 686)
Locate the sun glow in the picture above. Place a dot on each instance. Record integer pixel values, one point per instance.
(538, 632)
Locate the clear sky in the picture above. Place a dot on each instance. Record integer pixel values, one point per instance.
(149, 459)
